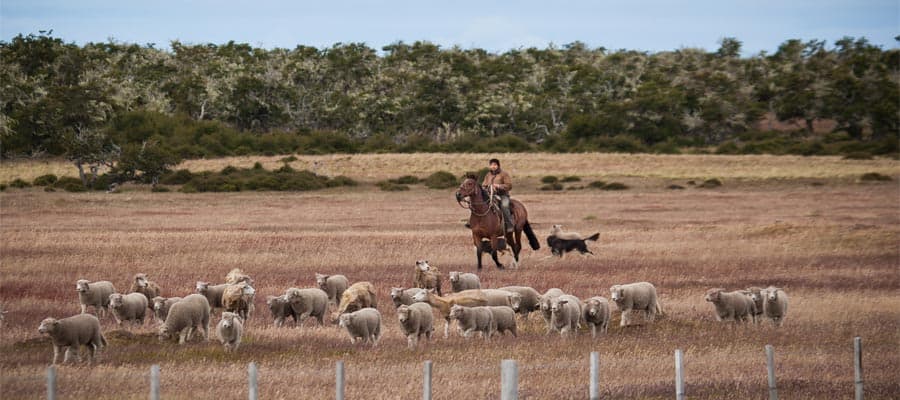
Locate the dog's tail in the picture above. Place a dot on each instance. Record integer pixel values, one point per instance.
(593, 237)
(532, 239)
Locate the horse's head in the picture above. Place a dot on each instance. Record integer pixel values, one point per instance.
(468, 188)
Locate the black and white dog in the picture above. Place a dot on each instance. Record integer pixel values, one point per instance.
(561, 242)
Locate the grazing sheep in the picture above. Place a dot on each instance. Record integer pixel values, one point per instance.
(230, 330)
(128, 307)
(474, 319)
(415, 320)
(238, 298)
(358, 296)
(185, 317)
(401, 296)
(460, 281)
(529, 299)
(736, 306)
(565, 314)
(755, 294)
(364, 324)
(140, 284)
(236, 276)
(545, 301)
(333, 285)
(498, 297)
(281, 309)
(161, 306)
(94, 294)
(305, 303)
(505, 319)
(775, 304)
(640, 296)
(72, 333)
(596, 313)
(428, 277)
(469, 298)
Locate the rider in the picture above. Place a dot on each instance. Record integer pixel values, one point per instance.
(501, 183)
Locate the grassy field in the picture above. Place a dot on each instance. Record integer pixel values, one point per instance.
(833, 246)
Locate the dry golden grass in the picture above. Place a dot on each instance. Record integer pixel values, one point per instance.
(833, 248)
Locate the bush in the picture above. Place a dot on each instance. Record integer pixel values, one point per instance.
(571, 178)
(45, 180)
(710, 183)
(549, 179)
(285, 160)
(74, 187)
(19, 183)
(406, 180)
(596, 185)
(858, 155)
(228, 170)
(575, 188)
(3, 187)
(615, 186)
(160, 189)
(179, 177)
(341, 180)
(552, 186)
(257, 166)
(441, 180)
(675, 187)
(389, 186)
(875, 177)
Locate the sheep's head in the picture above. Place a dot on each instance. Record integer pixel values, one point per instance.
(456, 311)
(228, 319)
(115, 300)
(344, 320)
(396, 292)
(421, 295)
(48, 325)
(247, 290)
(140, 280)
(422, 265)
(158, 302)
(557, 304)
(771, 294)
(616, 293)
(593, 308)
(202, 287)
(403, 313)
(292, 294)
(515, 301)
(454, 276)
(713, 295)
(83, 286)
(164, 332)
(320, 280)
(545, 304)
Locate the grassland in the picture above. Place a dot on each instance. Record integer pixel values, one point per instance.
(833, 246)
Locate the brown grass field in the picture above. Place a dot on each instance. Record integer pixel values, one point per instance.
(803, 224)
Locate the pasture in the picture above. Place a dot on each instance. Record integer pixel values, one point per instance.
(803, 224)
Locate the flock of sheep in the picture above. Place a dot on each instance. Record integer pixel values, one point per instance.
(475, 309)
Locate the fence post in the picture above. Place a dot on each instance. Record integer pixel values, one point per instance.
(253, 391)
(595, 376)
(339, 381)
(770, 365)
(509, 380)
(857, 366)
(679, 375)
(51, 383)
(154, 382)
(426, 384)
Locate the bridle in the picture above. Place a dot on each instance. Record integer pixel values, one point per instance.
(470, 204)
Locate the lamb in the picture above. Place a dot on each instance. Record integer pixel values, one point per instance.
(94, 294)
(415, 320)
(505, 319)
(428, 277)
(757, 299)
(736, 306)
(775, 304)
(529, 299)
(281, 309)
(148, 288)
(474, 319)
(161, 306)
(401, 296)
(596, 314)
(238, 298)
(305, 303)
(185, 317)
(73, 332)
(640, 296)
(213, 293)
(230, 329)
(363, 324)
(236, 276)
(470, 298)
(460, 281)
(128, 307)
(565, 314)
(333, 285)
(358, 296)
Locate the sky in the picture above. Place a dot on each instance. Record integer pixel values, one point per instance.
(495, 26)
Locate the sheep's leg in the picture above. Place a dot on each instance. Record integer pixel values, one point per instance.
(411, 341)
(593, 331)
(446, 328)
(92, 349)
(84, 309)
(66, 354)
(205, 333)
(182, 335)
(56, 353)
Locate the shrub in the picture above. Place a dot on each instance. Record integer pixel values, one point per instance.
(858, 155)
(874, 177)
(710, 183)
(284, 160)
(441, 180)
(596, 185)
(389, 186)
(552, 186)
(66, 180)
(49, 189)
(549, 179)
(571, 178)
(615, 186)
(228, 170)
(257, 166)
(103, 181)
(406, 180)
(341, 180)
(74, 187)
(179, 177)
(188, 188)
(19, 183)
(575, 188)
(160, 189)
(3, 187)
(675, 187)
(45, 180)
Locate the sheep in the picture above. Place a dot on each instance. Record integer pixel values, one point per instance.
(364, 324)
(474, 319)
(94, 294)
(281, 309)
(401, 296)
(358, 296)
(161, 306)
(529, 299)
(640, 296)
(736, 306)
(305, 303)
(757, 299)
(73, 332)
(428, 277)
(460, 281)
(565, 314)
(545, 300)
(230, 329)
(333, 285)
(236, 276)
(415, 320)
(498, 297)
(140, 284)
(775, 304)
(213, 293)
(128, 307)
(238, 298)
(185, 317)
(470, 298)
(596, 313)
(505, 319)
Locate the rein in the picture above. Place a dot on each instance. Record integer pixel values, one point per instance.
(490, 203)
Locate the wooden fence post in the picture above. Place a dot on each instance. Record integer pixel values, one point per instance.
(770, 365)
(426, 383)
(339, 381)
(857, 367)
(509, 380)
(253, 391)
(679, 375)
(595, 376)
(154, 382)
(51, 383)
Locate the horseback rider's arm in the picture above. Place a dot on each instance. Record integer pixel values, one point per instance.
(503, 181)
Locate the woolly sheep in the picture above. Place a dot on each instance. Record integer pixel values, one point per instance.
(128, 307)
(640, 296)
(236, 276)
(775, 304)
(238, 298)
(213, 293)
(94, 294)
(185, 317)
(757, 299)
(363, 324)
(596, 314)
(161, 306)
(140, 284)
(305, 303)
(415, 320)
(736, 306)
(73, 332)
(460, 281)
(358, 296)
(281, 309)
(230, 329)
(474, 319)
(498, 297)
(545, 300)
(565, 313)
(428, 277)
(529, 299)
(401, 296)
(505, 319)
(470, 298)
(333, 285)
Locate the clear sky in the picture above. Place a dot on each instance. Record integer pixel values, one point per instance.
(496, 26)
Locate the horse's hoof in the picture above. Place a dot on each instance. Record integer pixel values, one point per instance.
(501, 266)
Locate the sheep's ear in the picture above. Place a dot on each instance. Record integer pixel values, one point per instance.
(563, 301)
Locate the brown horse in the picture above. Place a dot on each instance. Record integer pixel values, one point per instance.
(486, 221)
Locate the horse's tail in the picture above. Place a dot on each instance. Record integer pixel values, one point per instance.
(593, 237)
(532, 239)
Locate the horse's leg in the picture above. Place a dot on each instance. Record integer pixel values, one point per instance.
(478, 254)
(496, 260)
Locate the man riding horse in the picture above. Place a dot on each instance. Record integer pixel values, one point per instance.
(498, 182)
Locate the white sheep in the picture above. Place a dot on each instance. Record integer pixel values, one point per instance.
(185, 317)
(565, 314)
(281, 309)
(94, 294)
(428, 277)
(128, 307)
(498, 297)
(529, 299)
(474, 319)
(73, 332)
(333, 285)
(161, 306)
(755, 294)
(544, 304)
(140, 284)
(640, 296)
(238, 298)
(775, 304)
(309, 302)
(230, 329)
(401, 296)
(505, 319)
(415, 320)
(735, 306)
(460, 281)
(597, 314)
(364, 324)
(213, 293)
